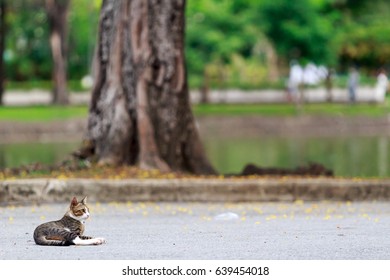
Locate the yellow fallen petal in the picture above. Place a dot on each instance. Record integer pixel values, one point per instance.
(62, 177)
(271, 217)
(299, 202)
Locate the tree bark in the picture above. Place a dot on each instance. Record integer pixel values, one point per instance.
(140, 112)
(57, 13)
(3, 30)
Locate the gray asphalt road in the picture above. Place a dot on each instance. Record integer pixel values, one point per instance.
(300, 230)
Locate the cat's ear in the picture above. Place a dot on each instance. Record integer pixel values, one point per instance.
(74, 202)
(84, 201)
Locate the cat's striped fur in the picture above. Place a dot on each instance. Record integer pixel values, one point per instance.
(69, 230)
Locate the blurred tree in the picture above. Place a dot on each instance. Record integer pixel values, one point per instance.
(140, 111)
(235, 43)
(365, 33)
(222, 37)
(27, 54)
(3, 30)
(57, 12)
(299, 30)
(83, 28)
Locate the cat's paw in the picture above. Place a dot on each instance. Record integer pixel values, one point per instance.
(99, 241)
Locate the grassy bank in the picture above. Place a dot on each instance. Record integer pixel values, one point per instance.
(42, 113)
(51, 113)
(284, 110)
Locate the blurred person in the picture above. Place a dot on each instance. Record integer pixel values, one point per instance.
(353, 82)
(294, 81)
(322, 72)
(382, 83)
(329, 84)
(310, 75)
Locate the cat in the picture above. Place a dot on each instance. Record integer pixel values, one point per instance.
(69, 230)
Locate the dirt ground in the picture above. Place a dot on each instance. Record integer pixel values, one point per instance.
(222, 126)
(295, 126)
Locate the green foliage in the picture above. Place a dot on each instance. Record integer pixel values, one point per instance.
(366, 36)
(298, 30)
(83, 28)
(220, 38)
(228, 43)
(361, 35)
(231, 42)
(28, 54)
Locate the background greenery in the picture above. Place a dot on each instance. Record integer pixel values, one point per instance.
(241, 43)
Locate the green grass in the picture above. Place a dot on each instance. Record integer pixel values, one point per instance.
(51, 113)
(42, 113)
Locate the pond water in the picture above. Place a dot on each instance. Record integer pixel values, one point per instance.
(346, 156)
(13, 155)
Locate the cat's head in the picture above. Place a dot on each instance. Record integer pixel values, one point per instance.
(79, 210)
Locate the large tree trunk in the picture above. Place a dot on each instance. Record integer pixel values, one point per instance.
(140, 111)
(57, 12)
(3, 30)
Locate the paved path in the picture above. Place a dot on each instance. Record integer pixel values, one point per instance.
(364, 94)
(300, 230)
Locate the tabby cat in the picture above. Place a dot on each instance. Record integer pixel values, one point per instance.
(69, 230)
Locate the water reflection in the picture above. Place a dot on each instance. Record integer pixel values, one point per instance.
(346, 156)
(12, 155)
